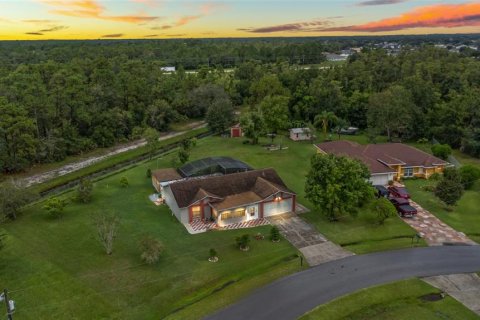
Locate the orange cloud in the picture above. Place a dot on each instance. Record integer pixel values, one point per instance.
(441, 15)
(92, 9)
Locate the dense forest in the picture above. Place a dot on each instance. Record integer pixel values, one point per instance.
(65, 98)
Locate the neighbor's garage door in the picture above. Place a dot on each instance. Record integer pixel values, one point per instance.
(379, 179)
(277, 207)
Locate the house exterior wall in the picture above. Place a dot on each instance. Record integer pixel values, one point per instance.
(180, 213)
(156, 184)
(247, 217)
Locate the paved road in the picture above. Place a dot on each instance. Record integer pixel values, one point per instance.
(294, 295)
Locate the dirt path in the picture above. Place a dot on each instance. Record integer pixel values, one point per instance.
(75, 166)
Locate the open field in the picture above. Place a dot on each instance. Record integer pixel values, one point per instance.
(399, 300)
(57, 269)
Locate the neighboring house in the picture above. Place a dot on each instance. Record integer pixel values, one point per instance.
(387, 161)
(298, 134)
(231, 198)
(336, 57)
(236, 131)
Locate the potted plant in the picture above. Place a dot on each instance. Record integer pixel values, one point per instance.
(275, 234)
(242, 242)
(213, 255)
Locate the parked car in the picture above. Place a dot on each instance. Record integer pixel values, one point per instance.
(381, 191)
(399, 201)
(406, 211)
(349, 131)
(399, 192)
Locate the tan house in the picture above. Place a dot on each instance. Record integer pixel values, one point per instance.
(387, 161)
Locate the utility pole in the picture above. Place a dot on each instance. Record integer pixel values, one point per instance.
(7, 304)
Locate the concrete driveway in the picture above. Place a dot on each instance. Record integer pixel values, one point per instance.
(314, 246)
(292, 296)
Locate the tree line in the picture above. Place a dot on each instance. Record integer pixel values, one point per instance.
(51, 108)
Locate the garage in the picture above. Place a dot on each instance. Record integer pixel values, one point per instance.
(381, 178)
(277, 207)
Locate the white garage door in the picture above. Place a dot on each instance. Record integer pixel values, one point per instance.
(277, 207)
(379, 179)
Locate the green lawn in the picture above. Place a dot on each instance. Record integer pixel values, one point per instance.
(465, 216)
(399, 300)
(56, 269)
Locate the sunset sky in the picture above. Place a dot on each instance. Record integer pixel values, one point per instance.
(107, 19)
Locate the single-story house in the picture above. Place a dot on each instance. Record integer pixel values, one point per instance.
(387, 161)
(236, 131)
(227, 199)
(298, 134)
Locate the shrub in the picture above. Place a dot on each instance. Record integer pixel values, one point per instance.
(275, 234)
(84, 190)
(422, 140)
(449, 191)
(151, 249)
(429, 188)
(469, 175)
(148, 173)
(213, 253)
(451, 174)
(390, 182)
(383, 210)
(442, 151)
(436, 176)
(107, 226)
(55, 207)
(123, 182)
(242, 242)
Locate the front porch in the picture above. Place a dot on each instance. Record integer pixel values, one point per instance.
(200, 226)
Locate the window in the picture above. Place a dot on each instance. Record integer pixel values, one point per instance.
(196, 211)
(408, 172)
(251, 211)
(233, 214)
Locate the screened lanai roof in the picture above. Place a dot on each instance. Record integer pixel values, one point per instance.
(212, 165)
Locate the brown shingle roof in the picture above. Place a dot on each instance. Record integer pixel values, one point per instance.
(378, 156)
(237, 200)
(163, 175)
(262, 182)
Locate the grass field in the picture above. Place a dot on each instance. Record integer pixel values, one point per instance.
(399, 300)
(56, 268)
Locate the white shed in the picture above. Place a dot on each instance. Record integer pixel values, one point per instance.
(299, 134)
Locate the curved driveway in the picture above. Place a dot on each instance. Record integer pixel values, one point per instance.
(290, 297)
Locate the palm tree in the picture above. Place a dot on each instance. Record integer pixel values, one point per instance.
(325, 119)
(339, 125)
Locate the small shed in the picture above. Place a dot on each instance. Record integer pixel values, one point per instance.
(236, 131)
(300, 134)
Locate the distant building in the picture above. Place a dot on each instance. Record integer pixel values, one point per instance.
(336, 57)
(300, 134)
(236, 131)
(168, 69)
